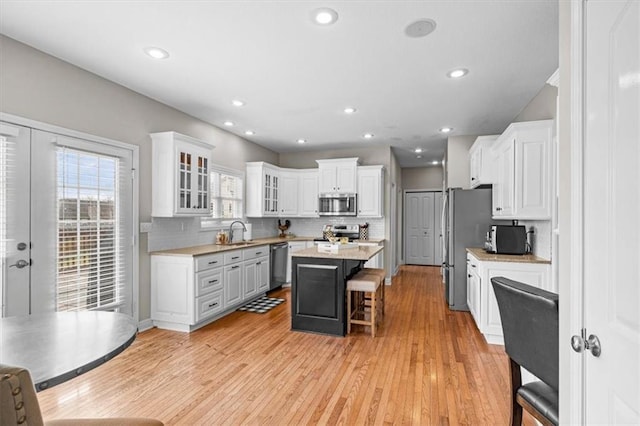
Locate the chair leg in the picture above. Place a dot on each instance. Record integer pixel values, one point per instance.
(348, 311)
(516, 382)
(373, 314)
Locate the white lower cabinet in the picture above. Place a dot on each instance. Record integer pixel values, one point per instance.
(189, 292)
(481, 298)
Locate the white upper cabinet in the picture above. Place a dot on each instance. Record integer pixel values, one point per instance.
(180, 175)
(523, 184)
(262, 189)
(481, 161)
(370, 190)
(337, 175)
(308, 193)
(288, 190)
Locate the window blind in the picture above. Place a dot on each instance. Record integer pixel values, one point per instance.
(91, 264)
(226, 195)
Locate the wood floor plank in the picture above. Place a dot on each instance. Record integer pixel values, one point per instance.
(426, 365)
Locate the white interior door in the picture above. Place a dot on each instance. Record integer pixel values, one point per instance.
(419, 228)
(15, 240)
(611, 266)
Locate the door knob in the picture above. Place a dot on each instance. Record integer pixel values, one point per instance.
(20, 264)
(592, 344)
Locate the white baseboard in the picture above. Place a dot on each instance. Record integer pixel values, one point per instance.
(145, 325)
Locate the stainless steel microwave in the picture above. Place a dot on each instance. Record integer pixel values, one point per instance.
(337, 204)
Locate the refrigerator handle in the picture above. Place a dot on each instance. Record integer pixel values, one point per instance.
(443, 226)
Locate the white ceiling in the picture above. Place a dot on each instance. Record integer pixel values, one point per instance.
(296, 77)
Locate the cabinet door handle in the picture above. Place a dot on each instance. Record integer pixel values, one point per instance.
(473, 178)
(498, 208)
(235, 267)
(211, 305)
(469, 275)
(213, 281)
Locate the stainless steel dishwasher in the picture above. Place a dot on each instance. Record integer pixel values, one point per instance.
(279, 252)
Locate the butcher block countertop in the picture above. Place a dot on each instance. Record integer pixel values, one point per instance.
(219, 248)
(483, 256)
(351, 253)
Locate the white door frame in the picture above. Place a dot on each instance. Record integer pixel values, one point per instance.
(135, 150)
(571, 401)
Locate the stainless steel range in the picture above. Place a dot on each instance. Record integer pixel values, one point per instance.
(352, 232)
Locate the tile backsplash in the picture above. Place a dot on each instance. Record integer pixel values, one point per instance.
(172, 233)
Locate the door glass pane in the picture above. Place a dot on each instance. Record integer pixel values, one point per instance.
(87, 275)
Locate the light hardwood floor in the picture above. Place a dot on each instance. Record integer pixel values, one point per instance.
(427, 365)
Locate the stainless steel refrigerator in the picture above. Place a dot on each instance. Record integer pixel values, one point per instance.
(466, 217)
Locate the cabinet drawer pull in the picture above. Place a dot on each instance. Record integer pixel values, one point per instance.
(469, 275)
(473, 266)
(235, 257)
(258, 252)
(213, 262)
(211, 305)
(235, 267)
(213, 281)
(258, 263)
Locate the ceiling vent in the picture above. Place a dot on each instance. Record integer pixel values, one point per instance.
(420, 28)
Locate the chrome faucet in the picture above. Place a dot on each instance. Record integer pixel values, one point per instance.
(231, 229)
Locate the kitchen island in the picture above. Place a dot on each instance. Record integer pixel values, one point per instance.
(318, 287)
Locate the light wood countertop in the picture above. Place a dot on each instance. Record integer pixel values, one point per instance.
(220, 248)
(483, 256)
(352, 253)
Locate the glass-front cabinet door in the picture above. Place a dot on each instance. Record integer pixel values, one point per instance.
(193, 182)
(180, 176)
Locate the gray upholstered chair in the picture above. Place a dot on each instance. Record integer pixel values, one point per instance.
(530, 326)
(19, 405)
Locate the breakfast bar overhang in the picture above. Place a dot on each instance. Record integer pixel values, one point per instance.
(318, 285)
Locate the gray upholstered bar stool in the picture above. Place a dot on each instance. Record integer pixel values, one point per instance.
(368, 288)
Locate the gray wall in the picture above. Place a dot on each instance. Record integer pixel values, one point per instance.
(422, 178)
(541, 107)
(457, 161)
(40, 87)
(369, 156)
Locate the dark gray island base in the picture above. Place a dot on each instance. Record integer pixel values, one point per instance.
(318, 288)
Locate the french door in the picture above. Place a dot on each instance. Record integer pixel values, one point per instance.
(66, 223)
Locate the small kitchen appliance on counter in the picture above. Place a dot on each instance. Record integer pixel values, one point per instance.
(507, 239)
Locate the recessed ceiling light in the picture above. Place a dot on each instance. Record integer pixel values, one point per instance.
(420, 28)
(349, 110)
(325, 16)
(368, 135)
(249, 133)
(446, 129)
(228, 123)
(156, 52)
(301, 141)
(237, 103)
(457, 73)
(435, 163)
(418, 156)
(417, 150)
